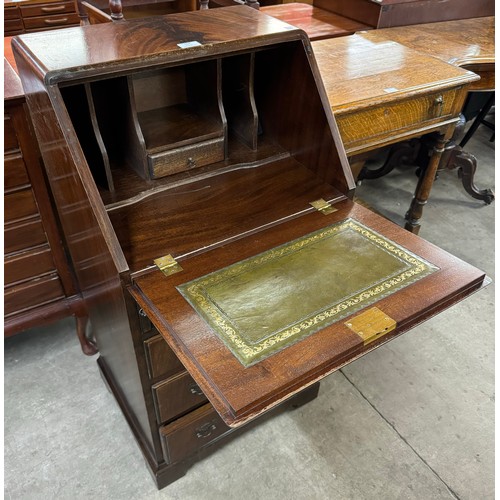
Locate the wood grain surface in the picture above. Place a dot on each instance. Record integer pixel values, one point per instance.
(219, 373)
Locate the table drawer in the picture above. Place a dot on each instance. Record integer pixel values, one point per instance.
(162, 362)
(15, 174)
(24, 235)
(9, 134)
(176, 396)
(31, 294)
(188, 434)
(27, 265)
(48, 9)
(19, 205)
(360, 128)
(185, 158)
(53, 21)
(13, 25)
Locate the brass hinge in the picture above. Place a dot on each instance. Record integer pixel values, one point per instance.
(323, 206)
(371, 324)
(168, 265)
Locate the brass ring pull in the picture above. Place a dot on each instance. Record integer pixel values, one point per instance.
(142, 313)
(205, 430)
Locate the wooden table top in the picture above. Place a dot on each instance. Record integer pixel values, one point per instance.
(317, 23)
(359, 72)
(462, 42)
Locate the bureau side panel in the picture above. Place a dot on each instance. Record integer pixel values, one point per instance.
(95, 254)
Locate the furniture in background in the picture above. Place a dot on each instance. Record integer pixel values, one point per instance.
(234, 160)
(385, 93)
(326, 18)
(39, 286)
(468, 44)
(27, 16)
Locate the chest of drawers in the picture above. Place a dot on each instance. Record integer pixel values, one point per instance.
(32, 15)
(39, 286)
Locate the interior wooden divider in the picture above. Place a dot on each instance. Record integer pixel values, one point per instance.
(80, 106)
(239, 99)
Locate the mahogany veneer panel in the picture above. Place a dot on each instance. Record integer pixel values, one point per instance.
(223, 206)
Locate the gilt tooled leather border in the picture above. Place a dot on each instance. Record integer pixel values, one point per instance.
(195, 292)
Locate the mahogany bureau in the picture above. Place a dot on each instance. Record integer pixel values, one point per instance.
(205, 201)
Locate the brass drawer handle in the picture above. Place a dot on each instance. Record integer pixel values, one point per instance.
(205, 430)
(57, 8)
(142, 313)
(56, 21)
(438, 102)
(195, 389)
(191, 163)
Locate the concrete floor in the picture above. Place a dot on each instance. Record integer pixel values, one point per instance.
(412, 420)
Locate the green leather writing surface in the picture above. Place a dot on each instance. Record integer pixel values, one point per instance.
(270, 301)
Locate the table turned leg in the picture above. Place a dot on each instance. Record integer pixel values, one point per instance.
(424, 186)
(456, 158)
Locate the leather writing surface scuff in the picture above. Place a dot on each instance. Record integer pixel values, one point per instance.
(265, 303)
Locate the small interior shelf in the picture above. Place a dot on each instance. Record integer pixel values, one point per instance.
(180, 123)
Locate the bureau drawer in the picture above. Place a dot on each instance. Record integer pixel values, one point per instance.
(23, 235)
(32, 294)
(10, 13)
(360, 128)
(12, 26)
(52, 21)
(26, 265)
(188, 434)
(9, 134)
(162, 362)
(19, 205)
(185, 158)
(15, 174)
(176, 396)
(48, 9)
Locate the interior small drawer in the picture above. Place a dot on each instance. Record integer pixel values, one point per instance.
(357, 128)
(188, 434)
(13, 25)
(161, 361)
(29, 264)
(15, 174)
(52, 21)
(48, 9)
(31, 294)
(19, 205)
(185, 158)
(176, 396)
(9, 134)
(23, 235)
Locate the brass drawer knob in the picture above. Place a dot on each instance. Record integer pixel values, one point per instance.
(191, 163)
(195, 389)
(438, 102)
(205, 430)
